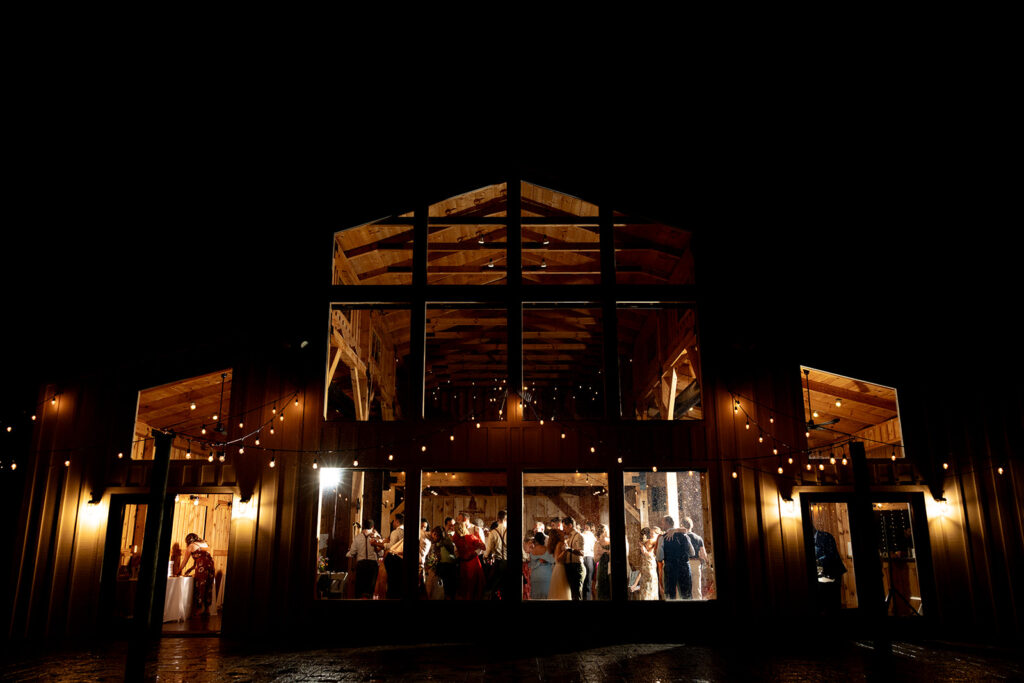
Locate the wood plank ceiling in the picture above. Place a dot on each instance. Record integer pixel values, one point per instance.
(867, 410)
(169, 406)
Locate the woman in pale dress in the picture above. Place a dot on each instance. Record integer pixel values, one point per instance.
(645, 586)
(542, 563)
(559, 587)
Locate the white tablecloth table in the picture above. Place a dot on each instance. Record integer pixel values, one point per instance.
(178, 598)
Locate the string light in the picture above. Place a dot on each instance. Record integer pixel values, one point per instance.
(215, 416)
(203, 430)
(821, 466)
(844, 460)
(316, 464)
(241, 449)
(53, 401)
(748, 424)
(808, 467)
(735, 474)
(451, 437)
(281, 417)
(222, 457)
(999, 470)
(780, 469)
(296, 401)
(593, 450)
(542, 422)
(241, 424)
(790, 460)
(736, 406)
(271, 429)
(839, 402)
(192, 406)
(273, 411)
(14, 465)
(771, 418)
(273, 461)
(33, 418)
(423, 448)
(832, 460)
(67, 463)
(257, 442)
(654, 469)
(210, 458)
(9, 428)
(120, 455)
(390, 457)
(815, 413)
(355, 463)
(620, 460)
(760, 438)
(945, 465)
(563, 435)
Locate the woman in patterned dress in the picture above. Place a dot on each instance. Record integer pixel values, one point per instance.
(202, 563)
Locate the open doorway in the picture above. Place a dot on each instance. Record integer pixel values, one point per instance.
(196, 564)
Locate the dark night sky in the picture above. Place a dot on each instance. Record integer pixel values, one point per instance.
(886, 246)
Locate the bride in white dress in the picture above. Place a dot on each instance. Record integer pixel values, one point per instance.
(559, 587)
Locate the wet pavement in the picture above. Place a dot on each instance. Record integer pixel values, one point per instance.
(208, 659)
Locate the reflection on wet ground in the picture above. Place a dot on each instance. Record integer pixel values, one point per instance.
(208, 659)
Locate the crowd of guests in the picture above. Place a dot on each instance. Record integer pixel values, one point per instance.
(460, 560)
(561, 560)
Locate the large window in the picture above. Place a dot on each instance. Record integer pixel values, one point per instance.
(368, 363)
(360, 552)
(467, 362)
(659, 363)
(565, 520)
(668, 536)
(562, 363)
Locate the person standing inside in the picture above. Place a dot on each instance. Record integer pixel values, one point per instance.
(364, 550)
(574, 569)
(675, 548)
(589, 541)
(393, 558)
(697, 560)
(496, 554)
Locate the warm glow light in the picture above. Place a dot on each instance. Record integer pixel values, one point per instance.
(654, 469)
(273, 459)
(53, 401)
(541, 424)
(120, 455)
(815, 413)
(241, 425)
(423, 449)
(844, 461)
(210, 458)
(215, 417)
(355, 463)
(771, 419)
(620, 460)
(222, 456)
(241, 449)
(451, 437)
(257, 442)
(478, 425)
(315, 464)
(839, 403)
(391, 457)
(593, 450)
(192, 406)
(760, 438)
(808, 467)
(9, 428)
(67, 463)
(748, 424)
(281, 417)
(832, 460)
(775, 451)
(296, 401)
(203, 430)
(195, 501)
(735, 475)
(271, 429)
(789, 460)
(999, 470)
(188, 455)
(33, 418)
(821, 466)
(945, 465)
(14, 465)
(780, 469)
(893, 457)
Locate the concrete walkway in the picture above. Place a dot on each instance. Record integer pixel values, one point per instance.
(207, 659)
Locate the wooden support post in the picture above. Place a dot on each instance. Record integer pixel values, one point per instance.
(411, 543)
(512, 582)
(418, 316)
(870, 591)
(148, 608)
(617, 533)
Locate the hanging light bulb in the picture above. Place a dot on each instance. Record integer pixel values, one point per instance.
(423, 449)
(273, 462)
(736, 406)
(593, 450)
(451, 437)
(760, 438)
(490, 264)
(222, 456)
(215, 416)
(241, 424)
(839, 402)
(273, 411)
(271, 428)
(563, 435)
(790, 460)
(296, 401)
(210, 458)
(14, 465)
(832, 460)
(203, 430)
(748, 425)
(241, 449)
(808, 467)
(281, 417)
(619, 459)
(390, 457)
(775, 450)
(192, 406)
(67, 463)
(33, 418)
(999, 470)
(821, 466)
(478, 425)
(654, 469)
(815, 413)
(9, 428)
(945, 465)
(120, 455)
(735, 474)
(316, 464)
(256, 442)
(893, 456)
(543, 263)
(355, 463)
(844, 460)
(780, 469)
(807, 433)
(53, 401)
(542, 422)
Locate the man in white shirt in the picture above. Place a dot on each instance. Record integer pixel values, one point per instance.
(496, 552)
(574, 570)
(394, 556)
(589, 540)
(364, 550)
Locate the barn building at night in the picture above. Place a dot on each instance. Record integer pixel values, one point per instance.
(516, 348)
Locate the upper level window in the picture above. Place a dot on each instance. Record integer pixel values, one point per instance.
(561, 242)
(378, 253)
(837, 408)
(466, 243)
(195, 409)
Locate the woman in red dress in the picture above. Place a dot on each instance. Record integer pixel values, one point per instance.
(471, 572)
(202, 563)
